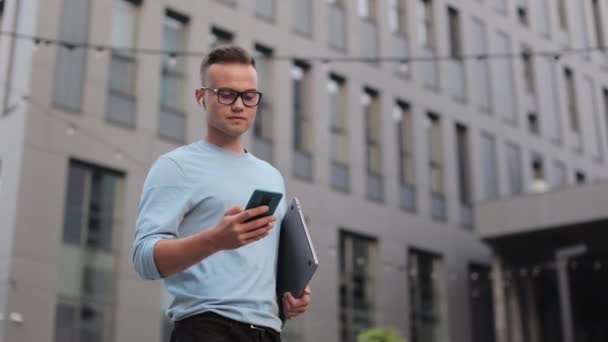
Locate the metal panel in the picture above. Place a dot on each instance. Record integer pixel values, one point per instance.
(264, 8)
(70, 64)
(369, 39)
(121, 109)
(407, 197)
(337, 27)
(375, 188)
(172, 125)
(302, 16)
(302, 165)
(339, 176)
(438, 207)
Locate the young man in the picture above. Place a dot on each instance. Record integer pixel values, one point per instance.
(191, 226)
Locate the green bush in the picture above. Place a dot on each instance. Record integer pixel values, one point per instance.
(380, 335)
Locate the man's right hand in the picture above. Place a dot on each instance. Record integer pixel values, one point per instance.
(233, 231)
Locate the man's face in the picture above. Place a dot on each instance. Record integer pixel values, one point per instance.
(228, 121)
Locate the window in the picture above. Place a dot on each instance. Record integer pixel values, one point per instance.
(464, 175)
(426, 26)
(490, 168)
(228, 2)
(482, 71)
(370, 101)
(405, 136)
(367, 9)
(219, 37)
(533, 123)
(263, 126)
(358, 265)
(455, 34)
(522, 12)
(583, 21)
(528, 68)
(514, 169)
(539, 183)
(464, 171)
(580, 177)
(339, 137)
(605, 102)
(264, 9)
(597, 21)
(336, 24)
(123, 64)
(300, 75)
(436, 168)
(482, 308)
(71, 63)
(596, 143)
(427, 296)
(560, 175)
(544, 18)
(302, 119)
(302, 11)
(87, 285)
(505, 89)
(397, 16)
(571, 101)
(562, 15)
(501, 6)
(172, 119)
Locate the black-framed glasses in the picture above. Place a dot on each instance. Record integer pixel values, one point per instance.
(227, 96)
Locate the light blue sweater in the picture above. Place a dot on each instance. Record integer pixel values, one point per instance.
(187, 190)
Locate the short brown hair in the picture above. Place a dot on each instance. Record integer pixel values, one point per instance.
(224, 55)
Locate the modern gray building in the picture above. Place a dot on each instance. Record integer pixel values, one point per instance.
(405, 152)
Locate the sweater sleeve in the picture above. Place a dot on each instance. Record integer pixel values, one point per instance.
(164, 202)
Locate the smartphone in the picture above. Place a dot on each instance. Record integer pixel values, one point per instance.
(262, 197)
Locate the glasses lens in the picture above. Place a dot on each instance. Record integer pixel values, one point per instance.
(250, 98)
(226, 96)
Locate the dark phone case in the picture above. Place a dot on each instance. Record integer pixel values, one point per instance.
(262, 197)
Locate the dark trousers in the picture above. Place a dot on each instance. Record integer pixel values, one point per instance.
(211, 327)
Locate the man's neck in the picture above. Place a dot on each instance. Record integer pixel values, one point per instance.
(228, 144)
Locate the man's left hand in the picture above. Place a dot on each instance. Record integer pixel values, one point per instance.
(293, 307)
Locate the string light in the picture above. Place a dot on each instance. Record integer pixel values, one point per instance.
(403, 61)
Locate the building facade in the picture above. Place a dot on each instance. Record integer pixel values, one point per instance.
(389, 156)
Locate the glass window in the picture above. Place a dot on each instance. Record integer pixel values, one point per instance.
(358, 265)
(514, 168)
(405, 136)
(88, 267)
(464, 170)
(560, 175)
(265, 9)
(336, 92)
(539, 183)
(172, 72)
(528, 69)
(562, 15)
(302, 120)
(482, 71)
(455, 35)
(490, 169)
(427, 296)
(71, 63)
(571, 101)
(426, 30)
(219, 37)
(397, 19)
(435, 141)
(482, 307)
(263, 124)
(370, 101)
(505, 89)
(302, 12)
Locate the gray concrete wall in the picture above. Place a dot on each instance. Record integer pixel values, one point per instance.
(43, 150)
